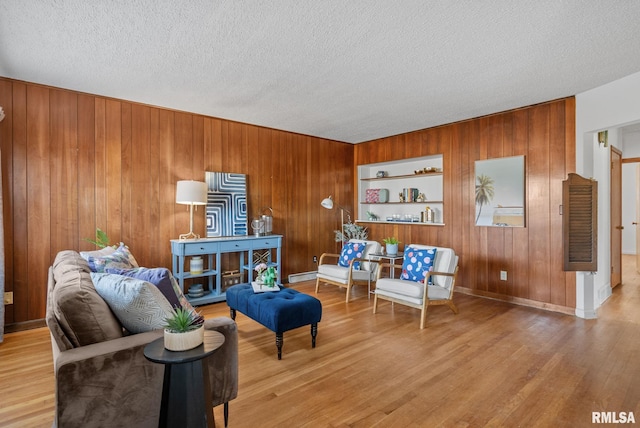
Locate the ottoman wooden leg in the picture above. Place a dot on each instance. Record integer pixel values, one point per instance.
(232, 312)
(279, 341)
(314, 333)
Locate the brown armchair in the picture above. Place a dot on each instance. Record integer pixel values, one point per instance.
(102, 377)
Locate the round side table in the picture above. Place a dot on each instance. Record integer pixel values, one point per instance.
(186, 394)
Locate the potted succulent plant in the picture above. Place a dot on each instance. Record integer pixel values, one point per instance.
(391, 245)
(183, 330)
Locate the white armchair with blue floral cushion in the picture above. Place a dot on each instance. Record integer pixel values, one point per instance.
(351, 267)
(427, 277)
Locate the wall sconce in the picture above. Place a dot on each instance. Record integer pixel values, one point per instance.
(328, 204)
(189, 192)
(603, 138)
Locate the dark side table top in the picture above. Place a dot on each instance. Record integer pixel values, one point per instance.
(156, 352)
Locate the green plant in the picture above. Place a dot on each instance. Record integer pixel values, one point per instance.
(183, 320)
(351, 231)
(101, 241)
(391, 240)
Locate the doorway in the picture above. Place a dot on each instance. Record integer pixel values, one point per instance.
(637, 219)
(616, 217)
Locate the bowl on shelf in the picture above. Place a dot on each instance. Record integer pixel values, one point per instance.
(196, 290)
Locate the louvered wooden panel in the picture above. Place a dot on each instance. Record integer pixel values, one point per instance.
(579, 223)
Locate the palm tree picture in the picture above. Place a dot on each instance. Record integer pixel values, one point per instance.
(484, 192)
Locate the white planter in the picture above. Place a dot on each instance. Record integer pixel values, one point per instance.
(392, 249)
(183, 341)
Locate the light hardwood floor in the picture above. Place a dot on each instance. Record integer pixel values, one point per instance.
(494, 364)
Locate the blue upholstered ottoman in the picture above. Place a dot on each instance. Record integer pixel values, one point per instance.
(279, 311)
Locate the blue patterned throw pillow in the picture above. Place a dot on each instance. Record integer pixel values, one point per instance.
(417, 263)
(121, 258)
(350, 251)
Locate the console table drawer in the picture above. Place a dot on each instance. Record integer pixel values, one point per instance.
(194, 248)
(239, 245)
(266, 242)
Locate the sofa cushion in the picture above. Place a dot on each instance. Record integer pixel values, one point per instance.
(139, 305)
(60, 342)
(181, 297)
(417, 263)
(372, 249)
(341, 274)
(82, 314)
(97, 253)
(445, 261)
(402, 287)
(120, 258)
(350, 251)
(410, 290)
(160, 277)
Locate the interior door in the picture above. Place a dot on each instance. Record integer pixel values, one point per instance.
(635, 223)
(616, 217)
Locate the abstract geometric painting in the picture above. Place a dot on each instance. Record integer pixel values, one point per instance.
(226, 204)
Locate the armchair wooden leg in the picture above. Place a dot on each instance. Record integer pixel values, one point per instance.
(348, 292)
(452, 307)
(423, 317)
(226, 413)
(317, 284)
(375, 303)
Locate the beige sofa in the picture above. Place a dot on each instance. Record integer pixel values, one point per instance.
(102, 377)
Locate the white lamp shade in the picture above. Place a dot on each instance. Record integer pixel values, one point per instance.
(327, 203)
(191, 192)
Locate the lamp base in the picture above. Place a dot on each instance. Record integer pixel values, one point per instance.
(189, 235)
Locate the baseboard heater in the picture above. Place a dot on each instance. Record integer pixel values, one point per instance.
(303, 276)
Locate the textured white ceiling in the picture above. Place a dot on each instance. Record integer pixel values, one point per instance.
(345, 70)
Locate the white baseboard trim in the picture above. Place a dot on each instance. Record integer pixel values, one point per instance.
(303, 276)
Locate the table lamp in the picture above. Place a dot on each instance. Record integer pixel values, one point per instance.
(189, 192)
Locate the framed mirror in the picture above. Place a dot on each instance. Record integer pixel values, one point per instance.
(499, 192)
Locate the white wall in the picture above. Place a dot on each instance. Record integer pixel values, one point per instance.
(606, 107)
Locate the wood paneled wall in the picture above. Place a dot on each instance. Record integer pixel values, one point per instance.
(532, 256)
(72, 162)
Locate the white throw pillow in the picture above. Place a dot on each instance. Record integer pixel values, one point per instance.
(97, 253)
(138, 305)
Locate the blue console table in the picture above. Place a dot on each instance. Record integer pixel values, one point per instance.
(211, 249)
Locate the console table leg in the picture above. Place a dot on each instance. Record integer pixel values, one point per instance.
(279, 341)
(314, 333)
